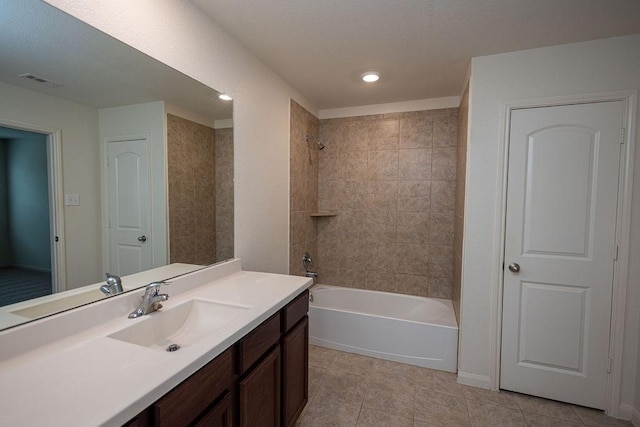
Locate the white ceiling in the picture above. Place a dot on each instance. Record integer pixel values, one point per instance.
(421, 47)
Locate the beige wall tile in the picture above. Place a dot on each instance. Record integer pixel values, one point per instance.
(380, 280)
(441, 229)
(445, 131)
(416, 132)
(412, 259)
(412, 285)
(380, 225)
(443, 196)
(414, 196)
(383, 134)
(413, 227)
(352, 165)
(382, 165)
(382, 195)
(440, 287)
(387, 215)
(444, 164)
(379, 255)
(414, 164)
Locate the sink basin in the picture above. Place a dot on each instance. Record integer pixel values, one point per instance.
(56, 305)
(183, 325)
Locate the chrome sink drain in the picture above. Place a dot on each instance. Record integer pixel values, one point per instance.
(173, 347)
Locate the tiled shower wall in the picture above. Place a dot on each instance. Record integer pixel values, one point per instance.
(391, 180)
(463, 121)
(224, 193)
(191, 166)
(303, 188)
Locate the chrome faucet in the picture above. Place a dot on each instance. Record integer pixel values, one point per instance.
(306, 262)
(112, 286)
(150, 300)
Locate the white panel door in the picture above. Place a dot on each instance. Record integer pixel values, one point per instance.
(129, 206)
(561, 222)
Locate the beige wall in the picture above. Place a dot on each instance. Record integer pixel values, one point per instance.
(391, 180)
(81, 172)
(303, 193)
(458, 228)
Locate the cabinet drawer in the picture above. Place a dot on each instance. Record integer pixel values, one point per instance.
(295, 310)
(221, 415)
(185, 402)
(254, 345)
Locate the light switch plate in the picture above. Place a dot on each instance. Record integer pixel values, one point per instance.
(72, 199)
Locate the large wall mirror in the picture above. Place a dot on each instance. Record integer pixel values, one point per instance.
(110, 162)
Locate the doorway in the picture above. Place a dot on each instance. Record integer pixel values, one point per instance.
(560, 250)
(27, 216)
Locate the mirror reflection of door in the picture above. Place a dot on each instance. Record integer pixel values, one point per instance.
(129, 206)
(25, 237)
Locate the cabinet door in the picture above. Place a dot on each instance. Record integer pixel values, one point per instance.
(295, 372)
(221, 415)
(260, 393)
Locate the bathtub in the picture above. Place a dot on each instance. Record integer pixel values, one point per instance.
(402, 328)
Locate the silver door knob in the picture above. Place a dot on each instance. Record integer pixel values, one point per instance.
(514, 267)
(142, 239)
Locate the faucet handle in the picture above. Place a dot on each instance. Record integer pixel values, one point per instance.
(154, 287)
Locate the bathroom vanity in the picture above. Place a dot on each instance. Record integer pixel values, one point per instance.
(264, 375)
(242, 357)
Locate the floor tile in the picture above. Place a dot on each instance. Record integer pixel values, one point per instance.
(339, 385)
(316, 374)
(321, 356)
(372, 418)
(329, 412)
(354, 364)
(549, 408)
(440, 408)
(537, 420)
(593, 417)
(386, 370)
(500, 398)
(392, 398)
(440, 381)
(487, 414)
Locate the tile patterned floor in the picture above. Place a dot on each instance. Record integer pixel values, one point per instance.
(349, 390)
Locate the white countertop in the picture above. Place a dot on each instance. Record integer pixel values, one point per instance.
(88, 379)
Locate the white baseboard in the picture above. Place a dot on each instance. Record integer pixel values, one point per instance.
(474, 380)
(635, 416)
(625, 412)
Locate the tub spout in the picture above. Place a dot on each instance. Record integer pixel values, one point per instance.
(310, 274)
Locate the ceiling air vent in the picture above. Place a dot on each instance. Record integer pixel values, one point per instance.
(40, 80)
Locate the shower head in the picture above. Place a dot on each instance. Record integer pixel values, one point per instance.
(313, 138)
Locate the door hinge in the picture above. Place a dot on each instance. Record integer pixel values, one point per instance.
(109, 223)
(609, 363)
(56, 238)
(615, 252)
(622, 135)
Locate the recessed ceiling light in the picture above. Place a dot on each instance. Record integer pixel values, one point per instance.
(371, 76)
(225, 97)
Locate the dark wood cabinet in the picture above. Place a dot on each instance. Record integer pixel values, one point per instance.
(220, 415)
(295, 372)
(260, 381)
(186, 402)
(260, 393)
